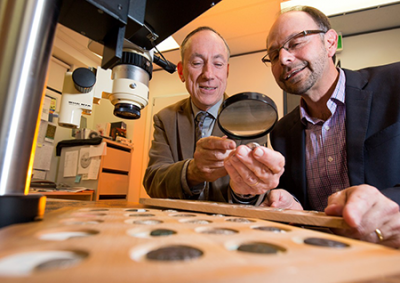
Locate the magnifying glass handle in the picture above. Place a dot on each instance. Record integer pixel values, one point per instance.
(252, 145)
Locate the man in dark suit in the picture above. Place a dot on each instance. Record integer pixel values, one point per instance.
(178, 166)
(342, 144)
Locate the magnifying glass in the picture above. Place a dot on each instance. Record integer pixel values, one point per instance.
(247, 115)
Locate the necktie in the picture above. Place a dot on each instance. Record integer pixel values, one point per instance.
(201, 116)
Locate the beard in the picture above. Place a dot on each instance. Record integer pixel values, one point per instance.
(301, 84)
(309, 75)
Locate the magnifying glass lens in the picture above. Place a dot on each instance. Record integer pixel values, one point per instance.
(247, 115)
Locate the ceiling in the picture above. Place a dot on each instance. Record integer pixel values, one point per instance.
(244, 25)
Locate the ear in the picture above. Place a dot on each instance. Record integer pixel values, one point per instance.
(179, 67)
(331, 42)
(227, 70)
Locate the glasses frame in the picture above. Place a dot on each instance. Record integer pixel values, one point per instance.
(303, 33)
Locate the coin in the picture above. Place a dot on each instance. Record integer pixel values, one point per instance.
(136, 210)
(269, 229)
(219, 231)
(174, 253)
(325, 243)
(259, 248)
(162, 232)
(239, 220)
(148, 222)
(59, 263)
(197, 221)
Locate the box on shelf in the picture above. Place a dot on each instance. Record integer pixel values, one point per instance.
(124, 141)
(117, 129)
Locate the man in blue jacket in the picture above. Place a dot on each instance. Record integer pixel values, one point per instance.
(341, 147)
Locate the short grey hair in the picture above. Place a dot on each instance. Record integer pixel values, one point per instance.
(184, 42)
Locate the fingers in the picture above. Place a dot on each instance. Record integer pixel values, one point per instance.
(273, 160)
(208, 159)
(213, 149)
(361, 206)
(254, 171)
(372, 216)
(216, 143)
(280, 198)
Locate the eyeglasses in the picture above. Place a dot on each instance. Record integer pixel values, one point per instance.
(293, 43)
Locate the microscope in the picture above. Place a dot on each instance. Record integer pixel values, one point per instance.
(128, 29)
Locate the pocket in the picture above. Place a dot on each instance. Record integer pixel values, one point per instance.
(388, 137)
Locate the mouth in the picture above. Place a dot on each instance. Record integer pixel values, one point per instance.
(293, 72)
(208, 88)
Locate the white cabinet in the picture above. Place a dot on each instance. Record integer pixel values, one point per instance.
(113, 176)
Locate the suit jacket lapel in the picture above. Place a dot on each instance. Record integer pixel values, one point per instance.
(358, 105)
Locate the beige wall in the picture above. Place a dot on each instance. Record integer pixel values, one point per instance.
(247, 73)
(371, 49)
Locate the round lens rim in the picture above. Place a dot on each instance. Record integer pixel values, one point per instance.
(247, 96)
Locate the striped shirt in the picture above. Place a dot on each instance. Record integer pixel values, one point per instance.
(326, 156)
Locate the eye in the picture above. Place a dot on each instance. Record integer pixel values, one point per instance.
(273, 56)
(295, 43)
(197, 63)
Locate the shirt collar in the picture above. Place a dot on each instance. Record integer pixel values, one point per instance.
(214, 110)
(337, 98)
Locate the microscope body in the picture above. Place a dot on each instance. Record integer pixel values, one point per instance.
(28, 28)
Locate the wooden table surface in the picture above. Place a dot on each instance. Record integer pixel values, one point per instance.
(111, 241)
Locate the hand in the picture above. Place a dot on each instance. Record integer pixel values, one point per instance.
(254, 171)
(281, 198)
(364, 208)
(208, 160)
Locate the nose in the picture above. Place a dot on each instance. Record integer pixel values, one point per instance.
(285, 56)
(208, 71)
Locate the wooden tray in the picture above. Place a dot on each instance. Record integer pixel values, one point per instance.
(312, 218)
(112, 243)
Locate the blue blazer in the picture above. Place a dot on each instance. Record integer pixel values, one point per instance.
(372, 134)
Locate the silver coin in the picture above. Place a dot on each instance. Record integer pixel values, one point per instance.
(239, 220)
(259, 248)
(61, 263)
(325, 243)
(148, 222)
(269, 229)
(137, 210)
(174, 253)
(219, 231)
(198, 221)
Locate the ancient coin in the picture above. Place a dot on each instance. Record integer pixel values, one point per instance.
(270, 229)
(174, 253)
(219, 231)
(325, 243)
(162, 232)
(259, 248)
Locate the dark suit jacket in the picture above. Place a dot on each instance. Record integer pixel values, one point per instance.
(173, 145)
(372, 134)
